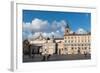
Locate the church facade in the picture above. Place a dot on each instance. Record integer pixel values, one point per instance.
(70, 43)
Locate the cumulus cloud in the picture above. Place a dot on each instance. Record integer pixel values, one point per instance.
(26, 34)
(81, 31)
(39, 25)
(47, 28)
(36, 25)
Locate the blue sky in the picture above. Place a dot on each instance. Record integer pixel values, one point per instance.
(75, 20)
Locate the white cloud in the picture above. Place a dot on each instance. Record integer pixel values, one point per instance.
(62, 24)
(38, 24)
(56, 28)
(81, 31)
(26, 26)
(57, 31)
(54, 25)
(48, 29)
(26, 34)
(36, 34)
(45, 34)
(71, 32)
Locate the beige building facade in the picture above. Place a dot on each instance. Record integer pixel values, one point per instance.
(48, 47)
(77, 43)
(71, 43)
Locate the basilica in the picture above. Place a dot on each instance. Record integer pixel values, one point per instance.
(70, 43)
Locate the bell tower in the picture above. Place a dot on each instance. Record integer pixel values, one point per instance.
(67, 30)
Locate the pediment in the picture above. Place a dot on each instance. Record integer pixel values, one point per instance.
(40, 37)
